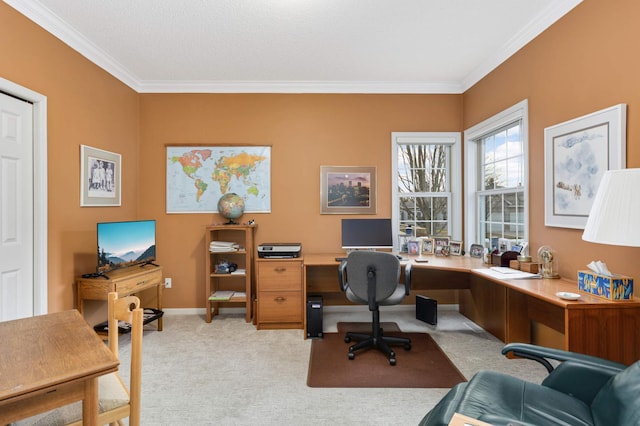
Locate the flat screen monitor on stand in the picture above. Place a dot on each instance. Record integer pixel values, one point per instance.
(367, 234)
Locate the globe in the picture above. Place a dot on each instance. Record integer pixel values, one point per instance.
(231, 206)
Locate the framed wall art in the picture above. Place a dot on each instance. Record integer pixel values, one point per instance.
(577, 153)
(198, 175)
(347, 190)
(100, 177)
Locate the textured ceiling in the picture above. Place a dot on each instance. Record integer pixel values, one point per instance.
(339, 46)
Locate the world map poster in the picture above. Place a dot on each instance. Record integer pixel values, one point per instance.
(197, 176)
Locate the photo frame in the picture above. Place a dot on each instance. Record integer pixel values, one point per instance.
(426, 246)
(455, 248)
(441, 241)
(100, 177)
(476, 250)
(348, 190)
(597, 142)
(413, 247)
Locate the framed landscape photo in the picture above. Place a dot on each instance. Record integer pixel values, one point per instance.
(100, 177)
(577, 153)
(347, 190)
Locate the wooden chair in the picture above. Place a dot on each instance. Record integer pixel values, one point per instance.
(116, 401)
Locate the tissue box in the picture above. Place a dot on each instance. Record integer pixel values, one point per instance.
(615, 287)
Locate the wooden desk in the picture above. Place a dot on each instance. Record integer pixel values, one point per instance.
(124, 281)
(49, 361)
(512, 310)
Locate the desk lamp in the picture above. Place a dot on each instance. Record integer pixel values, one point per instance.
(615, 214)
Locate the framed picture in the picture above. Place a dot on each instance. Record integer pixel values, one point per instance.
(440, 242)
(476, 250)
(413, 247)
(427, 246)
(455, 248)
(100, 174)
(577, 153)
(199, 175)
(347, 190)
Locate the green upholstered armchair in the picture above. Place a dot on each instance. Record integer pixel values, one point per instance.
(579, 390)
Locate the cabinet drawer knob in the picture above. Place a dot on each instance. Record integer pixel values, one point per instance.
(280, 269)
(280, 299)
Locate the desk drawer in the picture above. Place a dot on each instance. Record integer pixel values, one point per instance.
(138, 283)
(280, 306)
(275, 275)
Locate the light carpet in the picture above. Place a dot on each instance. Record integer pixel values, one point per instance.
(228, 373)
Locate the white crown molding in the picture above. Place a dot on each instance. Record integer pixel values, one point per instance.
(377, 87)
(43, 17)
(543, 21)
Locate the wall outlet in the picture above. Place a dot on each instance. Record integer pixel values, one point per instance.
(167, 283)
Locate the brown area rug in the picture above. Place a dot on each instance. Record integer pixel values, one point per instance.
(424, 366)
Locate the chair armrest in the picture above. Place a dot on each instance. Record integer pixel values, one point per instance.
(543, 355)
(342, 275)
(407, 278)
(576, 374)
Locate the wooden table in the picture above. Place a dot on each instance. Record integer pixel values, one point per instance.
(513, 310)
(49, 361)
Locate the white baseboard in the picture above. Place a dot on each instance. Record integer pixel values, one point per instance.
(337, 308)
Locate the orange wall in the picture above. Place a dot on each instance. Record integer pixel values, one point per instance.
(305, 132)
(85, 106)
(583, 63)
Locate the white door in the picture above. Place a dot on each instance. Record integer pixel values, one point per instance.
(16, 209)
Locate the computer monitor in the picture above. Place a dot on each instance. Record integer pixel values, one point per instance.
(366, 234)
(124, 244)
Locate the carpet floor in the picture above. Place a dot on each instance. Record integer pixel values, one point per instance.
(424, 366)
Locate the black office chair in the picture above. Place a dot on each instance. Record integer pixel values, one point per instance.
(373, 278)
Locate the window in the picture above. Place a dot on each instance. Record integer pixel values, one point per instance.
(497, 180)
(426, 185)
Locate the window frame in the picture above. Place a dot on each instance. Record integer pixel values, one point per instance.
(454, 141)
(517, 112)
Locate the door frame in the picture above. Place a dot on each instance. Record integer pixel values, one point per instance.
(40, 242)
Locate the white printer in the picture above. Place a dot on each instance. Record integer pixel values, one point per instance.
(279, 250)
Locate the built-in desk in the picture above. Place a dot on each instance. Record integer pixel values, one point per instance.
(516, 310)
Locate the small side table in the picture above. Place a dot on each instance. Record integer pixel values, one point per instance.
(123, 281)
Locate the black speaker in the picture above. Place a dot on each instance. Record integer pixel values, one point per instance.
(314, 316)
(427, 309)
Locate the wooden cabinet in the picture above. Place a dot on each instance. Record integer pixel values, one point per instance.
(124, 281)
(237, 284)
(279, 293)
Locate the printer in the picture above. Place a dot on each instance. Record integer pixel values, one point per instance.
(279, 250)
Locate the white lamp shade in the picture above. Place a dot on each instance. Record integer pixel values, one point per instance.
(615, 214)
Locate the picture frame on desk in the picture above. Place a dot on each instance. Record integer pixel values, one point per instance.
(455, 248)
(427, 245)
(348, 189)
(413, 247)
(476, 250)
(440, 241)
